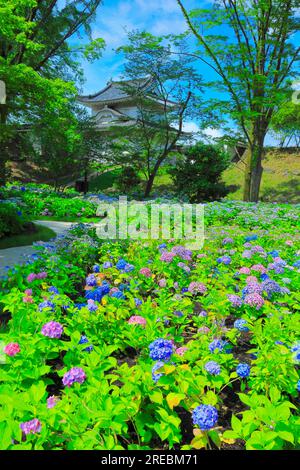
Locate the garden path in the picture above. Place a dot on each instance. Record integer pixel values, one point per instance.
(19, 254)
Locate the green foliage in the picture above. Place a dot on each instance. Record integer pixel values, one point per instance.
(12, 221)
(198, 175)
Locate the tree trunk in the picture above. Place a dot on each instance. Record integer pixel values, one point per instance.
(150, 184)
(247, 180)
(256, 175)
(254, 169)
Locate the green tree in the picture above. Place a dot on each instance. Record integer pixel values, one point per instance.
(161, 88)
(286, 124)
(198, 175)
(252, 58)
(38, 64)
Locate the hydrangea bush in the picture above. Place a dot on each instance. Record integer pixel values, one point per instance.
(115, 345)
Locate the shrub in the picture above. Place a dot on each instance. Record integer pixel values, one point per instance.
(12, 220)
(128, 179)
(202, 169)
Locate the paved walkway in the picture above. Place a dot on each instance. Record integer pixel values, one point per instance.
(19, 254)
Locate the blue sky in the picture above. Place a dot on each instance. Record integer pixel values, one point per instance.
(116, 17)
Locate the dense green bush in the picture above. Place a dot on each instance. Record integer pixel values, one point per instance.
(128, 179)
(198, 175)
(12, 221)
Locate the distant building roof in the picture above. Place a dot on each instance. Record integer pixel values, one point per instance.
(115, 92)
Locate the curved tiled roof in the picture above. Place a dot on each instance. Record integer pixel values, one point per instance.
(114, 91)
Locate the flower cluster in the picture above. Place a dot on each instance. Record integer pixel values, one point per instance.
(161, 349)
(52, 329)
(76, 374)
(205, 416)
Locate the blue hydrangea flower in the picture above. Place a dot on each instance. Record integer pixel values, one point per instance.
(251, 238)
(240, 325)
(224, 259)
(46, 304)
(264, 277)
(118, 295)
(121, 264)
(243, 370)
(178, 313)
(161, 349)
(273, 253)
(219, 345)
(295, 349)
(205, 416)
(212, 368)
(53, 289)
(138, 302)
(298, 385)
(157, 375)
(98, 293)
(96, 268)
(297, 263)
(84, 340)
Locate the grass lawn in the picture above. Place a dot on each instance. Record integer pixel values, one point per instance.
(43, 234)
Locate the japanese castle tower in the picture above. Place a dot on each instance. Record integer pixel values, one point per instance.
(116, 104)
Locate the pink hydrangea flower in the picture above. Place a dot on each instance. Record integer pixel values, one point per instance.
(27, 299)
(289, 242)
(197, 288)
(31, 277)
(259, 267)
(254, 300)
(31, 427)
(52, 401)
(28, 292)
(137, 320)
(146, 272)
(167, 256)
(11, 349)
(180, 351)
(245, 270)
(251, 279)
(203, 330)
(162, 283)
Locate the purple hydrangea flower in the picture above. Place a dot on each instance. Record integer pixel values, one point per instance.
(76, 374)
(212, 368)
(235, 300)
(243, 370)
(52, 329)
(92, 306)
(224, 259)
(107, 264)
(161, 349)
(205, 416)
(52, 401)
(91, 280)
(31, 427)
